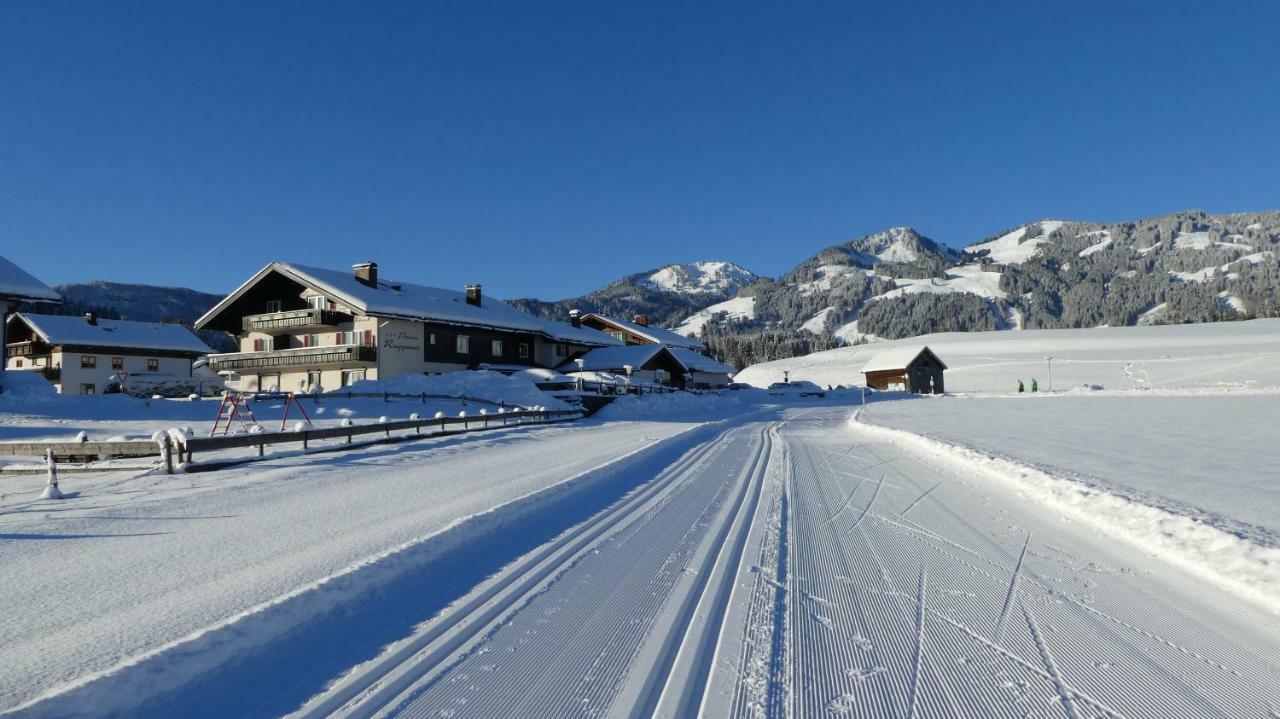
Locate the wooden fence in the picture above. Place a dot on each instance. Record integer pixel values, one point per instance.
(186, 447)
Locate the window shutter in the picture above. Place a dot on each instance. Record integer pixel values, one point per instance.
(337, 338)
(368, 338)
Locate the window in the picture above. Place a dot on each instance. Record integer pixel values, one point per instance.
(318, 302)
(464, 344)
(153, 364)
(88, 361)
(496, 348)
(88, 388)
(274, 305)
(263, 344)
(312, 340)
(19, 363)
(431, 338)
(117, 363)
(524, 350)
(562, 350)
(619, 334)
(356, 337)
(351, 375)
(313, 380)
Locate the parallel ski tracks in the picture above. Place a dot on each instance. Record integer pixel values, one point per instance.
(371, 690)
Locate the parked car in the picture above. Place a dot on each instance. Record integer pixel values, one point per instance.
(798, 388)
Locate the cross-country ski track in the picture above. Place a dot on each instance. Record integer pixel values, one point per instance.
(792, 564)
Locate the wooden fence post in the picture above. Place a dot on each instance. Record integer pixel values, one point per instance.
(166, 453)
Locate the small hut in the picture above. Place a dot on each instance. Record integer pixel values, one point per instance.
(913, 369)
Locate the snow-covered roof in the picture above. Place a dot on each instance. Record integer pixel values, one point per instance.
(696, 362)
(62, 330)
(615, 358)
(416, 302)
(17, 283)
(898, 358)
(653, 334)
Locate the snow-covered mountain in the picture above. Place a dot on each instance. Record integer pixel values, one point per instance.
(1183, 267)
(667, 295)
(701, 278)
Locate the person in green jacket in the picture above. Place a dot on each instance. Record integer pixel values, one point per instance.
(1020, 387)
(1035, 386)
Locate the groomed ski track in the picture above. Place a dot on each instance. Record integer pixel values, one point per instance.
(795, 566)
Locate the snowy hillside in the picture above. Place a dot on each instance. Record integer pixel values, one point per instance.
(1237, 356)
(700, 278)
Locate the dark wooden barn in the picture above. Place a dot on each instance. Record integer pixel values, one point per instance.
(914, 369)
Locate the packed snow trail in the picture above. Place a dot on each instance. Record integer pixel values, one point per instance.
(981, 603)
(801, 567)
(782, 563)
(559, 632)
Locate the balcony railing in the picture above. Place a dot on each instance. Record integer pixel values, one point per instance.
(26, 349)
(52, 374)
(301, 357)
(293, 319)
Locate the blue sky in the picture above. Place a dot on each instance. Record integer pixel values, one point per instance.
(546, 148)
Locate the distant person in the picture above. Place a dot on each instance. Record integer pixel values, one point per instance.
(1035, 386)
(1021, 389)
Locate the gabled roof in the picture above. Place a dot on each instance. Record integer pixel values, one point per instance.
(17, 284)
(898, 358)
(64, 330)
(616, 358)
(403, 300)
(653, 334)
(696, 362)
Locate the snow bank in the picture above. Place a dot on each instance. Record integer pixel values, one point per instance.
(482, 384)
(681, 406)
(17, 386)
(1234, 564)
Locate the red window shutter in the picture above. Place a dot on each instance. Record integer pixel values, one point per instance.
(257, 345)
(306, 340)
(368, 338)
(337, 338)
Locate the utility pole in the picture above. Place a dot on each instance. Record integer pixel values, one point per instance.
(1050, 361)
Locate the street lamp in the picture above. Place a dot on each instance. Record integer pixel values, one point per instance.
(1050, 361)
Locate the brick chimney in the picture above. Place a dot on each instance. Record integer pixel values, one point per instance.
(366, 273)
(575, 318)
(91, 318)
(474, 296)
(642, 320)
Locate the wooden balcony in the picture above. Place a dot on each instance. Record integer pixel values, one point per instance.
(293, 319)
(354, 355)
(26, 349)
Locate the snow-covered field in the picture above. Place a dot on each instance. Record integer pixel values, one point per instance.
(1100, 553)
(1211, 457)
(1234, 356)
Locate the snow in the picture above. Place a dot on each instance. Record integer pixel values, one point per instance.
(1014, 248)
(738, 308)
(817, 323)
(416, 302)
(651, 333)
(17, 283)
(614, 358)
(1212, 513)
(1192, 241)
(1098, 246)
(697, 362)
(1203, 241)
(1222, 356)
(726, 554)
(967, 278)
(494, 386)
(896, 357)
(125, 334)
(700, 278)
